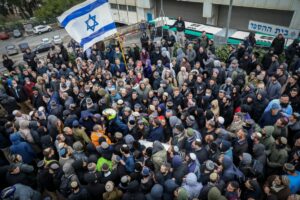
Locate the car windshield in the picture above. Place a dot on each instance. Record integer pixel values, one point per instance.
(16, 31)
(56, 37)
(10, 47)
(23, 45)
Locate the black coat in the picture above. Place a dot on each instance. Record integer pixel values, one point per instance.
(278, 45)
(19, 94)
(95, 190)
(8, 64)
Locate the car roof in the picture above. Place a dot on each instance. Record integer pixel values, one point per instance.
(11, 45)
(39, 26)
(24, 44)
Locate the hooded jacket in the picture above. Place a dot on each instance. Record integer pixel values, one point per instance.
(268, 141)
(259, 153)
(215, 194)
(159, 155)
(133, 192)
(192, 186)
(21, 148)
(230, 171)
(23, 192)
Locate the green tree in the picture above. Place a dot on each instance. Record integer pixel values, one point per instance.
(51, 9)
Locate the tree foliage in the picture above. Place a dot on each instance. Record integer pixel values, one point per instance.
(25, 7)
(53, 8)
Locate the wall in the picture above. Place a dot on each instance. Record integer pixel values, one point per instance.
(189, 11)
(240, 16)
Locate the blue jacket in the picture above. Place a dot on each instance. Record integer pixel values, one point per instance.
(288, 111)
(267, 119)
(156, 133)
(114, 68)
(116, 125)
(129, 163)
(294, 183)
(21, 148)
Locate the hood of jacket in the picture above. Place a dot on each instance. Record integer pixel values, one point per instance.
(157, 146)
(258, 150)
(133, 186)
(215, 194)
(170, 185)
(52, 120)
(174, 120)
(15, 138)
(269, 130)
(157, 191)
(68, 169)
(227, 162)
(191, 179)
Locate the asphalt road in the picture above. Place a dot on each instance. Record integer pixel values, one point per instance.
(35, 40)
(32, 41)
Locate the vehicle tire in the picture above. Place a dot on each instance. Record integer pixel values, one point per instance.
(49, 29)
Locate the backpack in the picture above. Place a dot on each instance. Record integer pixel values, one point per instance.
(65, 188)
(240, 78)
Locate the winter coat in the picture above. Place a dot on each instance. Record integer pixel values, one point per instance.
(278, 157)
(116, 194)
(278, 45)
(190, 54)
(273, 90)
(159, 155)
(82, 194)
(23, 192)
(133, 192)
(215, 194)
(230, 171)
(259, 153)
(156, 133)
(267, 119)
(22, 148)
(268, 141)
(192, 186)
(19, 94)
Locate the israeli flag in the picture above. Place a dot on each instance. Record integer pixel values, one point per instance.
(89, 22)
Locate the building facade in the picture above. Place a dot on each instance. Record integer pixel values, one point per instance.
(212, 12)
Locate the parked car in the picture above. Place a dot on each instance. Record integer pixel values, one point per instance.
(23, 46)
(45, 41)
(42, 48)
(42, 29)
(17, 33)
(4, 36)
(57, 39)
(11, 50)
(28, 28)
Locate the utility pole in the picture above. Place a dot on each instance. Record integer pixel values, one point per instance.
(228, 20)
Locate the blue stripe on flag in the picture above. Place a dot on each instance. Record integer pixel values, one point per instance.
(82, 11)
(98, 33)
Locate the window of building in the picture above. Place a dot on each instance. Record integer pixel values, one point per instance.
(132, 8)
(114, 6)
(122, 7)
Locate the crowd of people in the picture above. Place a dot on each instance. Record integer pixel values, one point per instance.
(158, 123)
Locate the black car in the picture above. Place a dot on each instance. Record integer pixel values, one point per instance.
(23, 46)
(42, 48)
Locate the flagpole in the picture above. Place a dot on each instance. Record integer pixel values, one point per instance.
(122, 51)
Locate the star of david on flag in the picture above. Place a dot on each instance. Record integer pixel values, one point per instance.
(89, 22)
(91, 19)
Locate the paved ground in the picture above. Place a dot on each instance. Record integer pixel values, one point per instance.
(35, 40)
